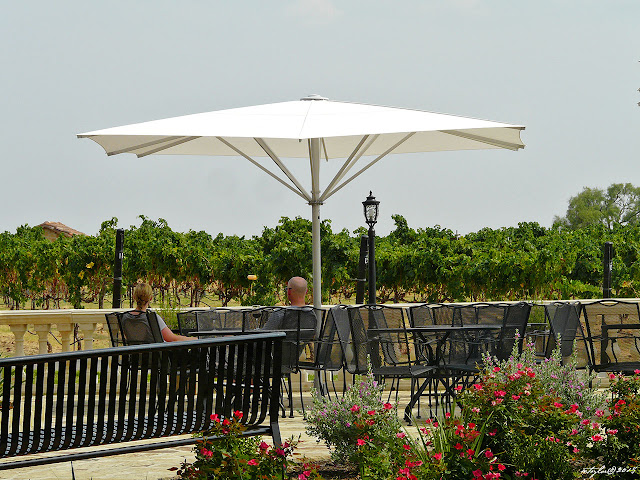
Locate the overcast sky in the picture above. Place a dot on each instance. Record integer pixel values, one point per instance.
(568, 70)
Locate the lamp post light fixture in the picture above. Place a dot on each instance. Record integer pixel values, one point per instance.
(371, 217)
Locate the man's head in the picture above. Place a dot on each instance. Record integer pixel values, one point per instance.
(296, 291)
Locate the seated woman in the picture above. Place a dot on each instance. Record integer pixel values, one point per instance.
(136, 322)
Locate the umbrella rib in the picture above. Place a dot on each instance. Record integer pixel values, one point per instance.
(165, 147)
(481, 139)
(324, 147)
(282, 167)
(350, 162)
(376, 160)
(267, 171)
(142, 145)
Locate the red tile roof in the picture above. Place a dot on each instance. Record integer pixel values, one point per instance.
(60, 229)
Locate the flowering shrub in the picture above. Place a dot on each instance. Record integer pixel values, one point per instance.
(525, 419)
(452, 448)
(360, 414)
(557, 376)
(232, 456)
(614, 439)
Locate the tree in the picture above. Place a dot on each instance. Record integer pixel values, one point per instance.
(619, 205)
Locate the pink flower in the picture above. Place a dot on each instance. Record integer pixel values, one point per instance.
(488, 453)
(406, 447)
(360, 442)
(557, 405)
(437, 456)
(447, 415)
(206, 453)
(500, 393)
(515, 397)
(475, 410)
(355, 408)
(401, 434)
(596, 438)
(496, 369)
(387, 406)
(611, 376)
(253, 461)
(636, 371)
(371, 412)
(458, 446)
(263, 446)
(478, 386)
(477, 473)
(501, 467)
(612, 431)
(280, 452)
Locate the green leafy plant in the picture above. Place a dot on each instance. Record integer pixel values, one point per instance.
(233, 457)
(360, 415)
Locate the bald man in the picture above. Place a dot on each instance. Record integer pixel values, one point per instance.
(297, 291)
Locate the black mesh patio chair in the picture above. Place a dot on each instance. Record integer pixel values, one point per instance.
(187, 321)
(565, 331)
(613, 335)
(115, 333)
(390, 346)
(328, 356)
(463, 352)
(301, 326)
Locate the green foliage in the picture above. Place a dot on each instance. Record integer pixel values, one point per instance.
(619, 205)
(359, 415)
(233, 457)
(425, 264)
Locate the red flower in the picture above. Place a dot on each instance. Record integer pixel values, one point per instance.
(387, 406)
(477, 473)
(226, 422)
(488, 453)
(371, 412)
(253, 461)
(237, 414)
(360, 442)
(501, 467)
(215, 417)
(355, 408)
(264, 446)
(437, 456)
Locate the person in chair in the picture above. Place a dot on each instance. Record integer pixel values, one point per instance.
(136, 324)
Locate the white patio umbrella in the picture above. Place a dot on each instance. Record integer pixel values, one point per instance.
(311, 128)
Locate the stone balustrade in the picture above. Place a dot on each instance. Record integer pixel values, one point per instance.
(42, 320)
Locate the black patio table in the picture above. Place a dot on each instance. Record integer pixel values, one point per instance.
(425, 337)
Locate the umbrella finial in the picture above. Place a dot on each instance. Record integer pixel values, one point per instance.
(314, 96)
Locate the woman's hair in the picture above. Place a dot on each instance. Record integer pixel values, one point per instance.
(142, 294)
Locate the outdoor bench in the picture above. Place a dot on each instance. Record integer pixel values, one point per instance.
(96, 398)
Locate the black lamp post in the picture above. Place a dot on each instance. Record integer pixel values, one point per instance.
(371, 217)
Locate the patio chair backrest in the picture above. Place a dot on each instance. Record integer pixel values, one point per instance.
(620, 347)
(328, 349)
(140, 329)
(564, 322)
(301, 325)
(421, 315)
(113, 324)
(187, 322)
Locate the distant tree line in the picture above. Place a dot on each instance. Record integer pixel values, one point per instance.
(413, 265)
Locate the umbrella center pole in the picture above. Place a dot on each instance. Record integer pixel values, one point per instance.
(314, 157)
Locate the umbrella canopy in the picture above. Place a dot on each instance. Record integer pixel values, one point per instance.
(311, 128)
